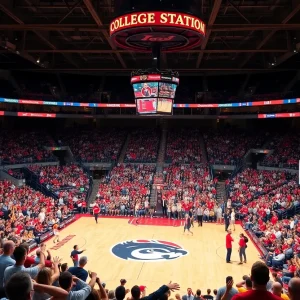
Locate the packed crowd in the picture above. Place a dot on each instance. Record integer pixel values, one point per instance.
(16, 173)
(126, 190)
(251, 183)
(184, 146)
(267, 202)
(142, 146)
(70, 182)
(26, 213)
(227, 147)
(186, 188)
(95, 146)
(286, 151)
(18, 147)
(47, 277)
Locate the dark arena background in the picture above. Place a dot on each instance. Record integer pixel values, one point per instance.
(134, 132)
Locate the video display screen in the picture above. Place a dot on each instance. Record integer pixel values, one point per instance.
(145, 89)
(146, 105)
(164, 105)
(167, 90)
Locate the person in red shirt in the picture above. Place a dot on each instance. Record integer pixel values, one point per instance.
(259, 277)
(242, 249)
(96, 211)
(274, 219)
(229, 241)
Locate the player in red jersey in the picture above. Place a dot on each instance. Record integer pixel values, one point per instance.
(96, 211)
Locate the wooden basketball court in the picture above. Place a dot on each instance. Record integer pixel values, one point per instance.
(203, 267)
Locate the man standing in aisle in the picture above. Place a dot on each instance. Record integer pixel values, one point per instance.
(229, 241)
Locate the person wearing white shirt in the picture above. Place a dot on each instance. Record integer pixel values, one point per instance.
(278, 260)
(292, 224)
(278, 234)
(232, 219)
(42, 216)
(61, 201)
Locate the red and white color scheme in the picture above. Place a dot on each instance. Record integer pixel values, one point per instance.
(173, 30)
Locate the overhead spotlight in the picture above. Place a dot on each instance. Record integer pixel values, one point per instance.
(272, 64)
(155, 58)
(38, 60)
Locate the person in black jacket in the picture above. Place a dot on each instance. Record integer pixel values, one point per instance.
(136, 292)
(227, 219)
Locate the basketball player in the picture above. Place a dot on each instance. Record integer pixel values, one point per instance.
(191, 215)
(187, 224)
(146, 90)
(56, 233)
(96, 211)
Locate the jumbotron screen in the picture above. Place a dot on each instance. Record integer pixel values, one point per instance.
(154, 93)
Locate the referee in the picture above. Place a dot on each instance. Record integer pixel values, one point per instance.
(199, 213)
(96, 211)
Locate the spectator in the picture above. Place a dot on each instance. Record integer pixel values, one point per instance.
(244, 286)
(46, 277)
(277, 290)
(98, 294)
(6, 261)
(208, 296)
(66, 281)
(136, 292)
(120, 292)
(294, 289)
(20, 286)
(260, 278)
(198, 295)
(242, 249)
(227, 292)
(111, 295)
(20, 257)
(189, 295)
(79, 271)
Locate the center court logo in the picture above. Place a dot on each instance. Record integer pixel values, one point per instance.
(148, 250)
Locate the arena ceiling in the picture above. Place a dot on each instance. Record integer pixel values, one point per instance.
(72, 36)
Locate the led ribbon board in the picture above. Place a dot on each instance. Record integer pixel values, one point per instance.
(174, 31)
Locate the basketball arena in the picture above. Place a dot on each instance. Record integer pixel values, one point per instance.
(149, 149)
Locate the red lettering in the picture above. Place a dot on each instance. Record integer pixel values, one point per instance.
(153, 38)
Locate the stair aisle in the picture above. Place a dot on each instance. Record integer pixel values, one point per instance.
(203, 148)
(94, 192)
(221, 191)
(162, 148)
(124, 149)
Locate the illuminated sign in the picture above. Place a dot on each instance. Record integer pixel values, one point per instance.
(245, 116)
(154, 77)
(36, 115)
(173, 30)
(157, 19)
